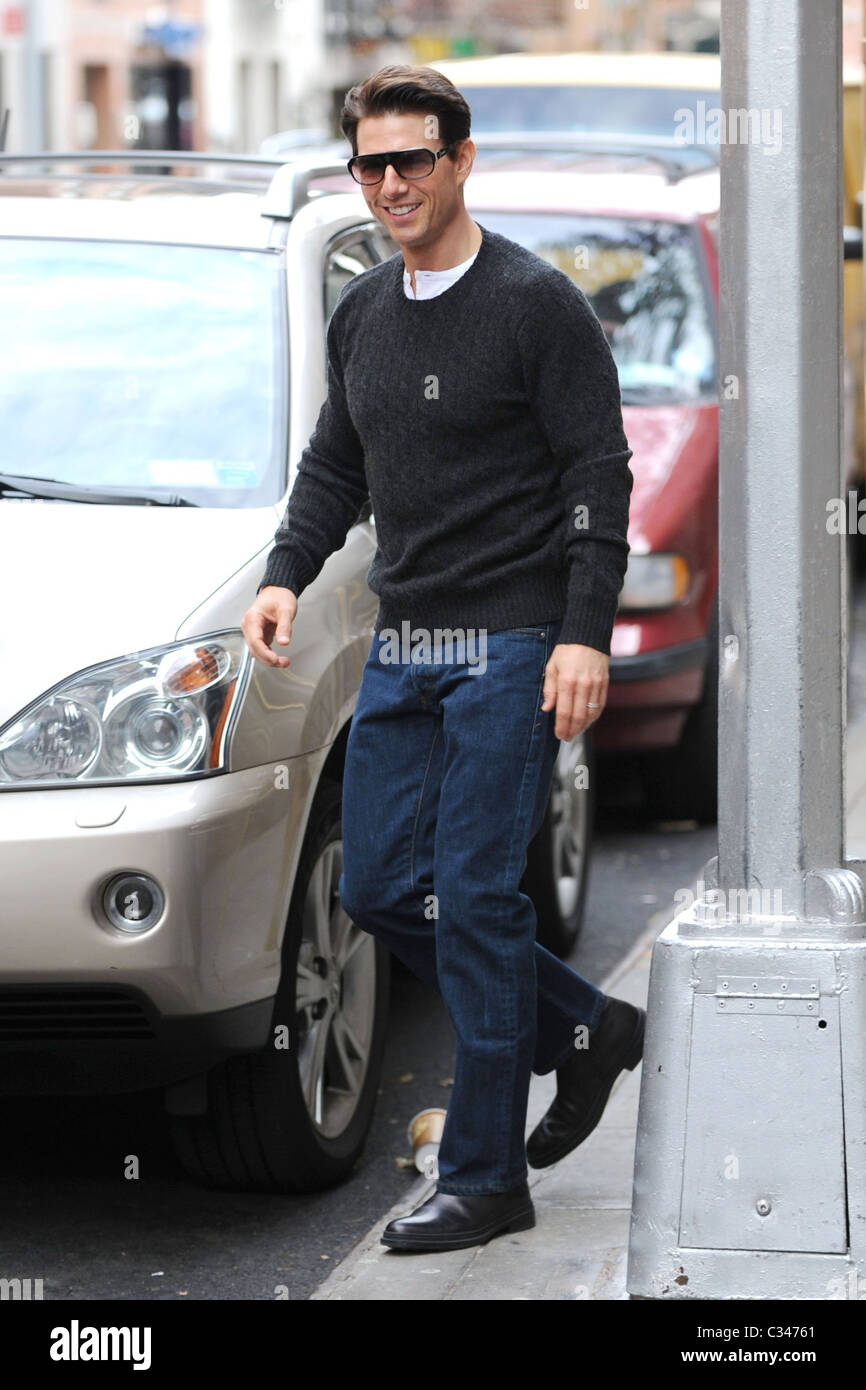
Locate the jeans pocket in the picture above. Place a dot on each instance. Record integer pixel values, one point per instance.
(530, 631)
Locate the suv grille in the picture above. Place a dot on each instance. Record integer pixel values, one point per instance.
(31, 1014)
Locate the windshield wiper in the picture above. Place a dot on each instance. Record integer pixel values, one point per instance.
(74, 492)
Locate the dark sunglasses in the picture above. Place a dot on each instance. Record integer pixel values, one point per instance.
(408, 164)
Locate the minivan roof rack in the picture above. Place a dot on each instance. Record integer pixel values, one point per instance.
(288, 188)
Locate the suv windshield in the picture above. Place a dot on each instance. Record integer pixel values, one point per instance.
(619, 110)
(147, 368)
(644, 281)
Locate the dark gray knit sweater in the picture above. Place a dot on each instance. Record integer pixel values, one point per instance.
(485, 425)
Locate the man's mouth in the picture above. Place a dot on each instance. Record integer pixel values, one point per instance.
(402, 210)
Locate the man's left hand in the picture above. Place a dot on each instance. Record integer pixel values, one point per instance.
(576, 681)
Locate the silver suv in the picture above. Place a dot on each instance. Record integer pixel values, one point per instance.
(169, 808)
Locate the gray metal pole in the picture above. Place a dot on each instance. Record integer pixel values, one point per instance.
(750, 1166)
(782, 687)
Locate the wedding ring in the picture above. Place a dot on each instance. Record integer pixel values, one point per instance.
(590, 705)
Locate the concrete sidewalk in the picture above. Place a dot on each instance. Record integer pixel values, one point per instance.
(578, 1247)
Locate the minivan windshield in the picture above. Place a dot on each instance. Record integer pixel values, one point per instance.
(145, 367)
(644, 280)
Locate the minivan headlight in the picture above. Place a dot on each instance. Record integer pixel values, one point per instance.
(163, 712)
(654, 580)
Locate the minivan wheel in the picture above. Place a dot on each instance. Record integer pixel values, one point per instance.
(557, 861)
(295, 1116)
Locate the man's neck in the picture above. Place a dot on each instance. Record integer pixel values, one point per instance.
(457, 243)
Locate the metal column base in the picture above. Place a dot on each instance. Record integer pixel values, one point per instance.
(750, 1165)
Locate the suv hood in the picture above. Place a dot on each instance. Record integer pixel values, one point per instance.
(83, 583)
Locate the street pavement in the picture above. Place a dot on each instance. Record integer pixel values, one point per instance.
(578, 1247)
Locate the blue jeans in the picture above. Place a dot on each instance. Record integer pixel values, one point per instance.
(447, 777)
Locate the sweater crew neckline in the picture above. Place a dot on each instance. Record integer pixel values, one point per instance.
(400, 266)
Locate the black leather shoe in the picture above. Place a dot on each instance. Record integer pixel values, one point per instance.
(451, 1221)
(584, 1082)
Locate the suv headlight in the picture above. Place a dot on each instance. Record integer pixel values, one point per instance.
(654, 581)
(164, 712)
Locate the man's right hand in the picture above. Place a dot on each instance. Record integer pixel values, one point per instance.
(272, 614)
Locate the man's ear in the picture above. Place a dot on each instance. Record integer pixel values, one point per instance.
(465, 159)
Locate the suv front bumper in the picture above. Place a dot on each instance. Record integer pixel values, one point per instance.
(201, 981)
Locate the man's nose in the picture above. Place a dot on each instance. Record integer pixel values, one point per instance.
(392, 184)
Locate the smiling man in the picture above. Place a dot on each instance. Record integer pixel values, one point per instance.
(473, 397)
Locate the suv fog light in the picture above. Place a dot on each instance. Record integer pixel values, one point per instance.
(133, 902)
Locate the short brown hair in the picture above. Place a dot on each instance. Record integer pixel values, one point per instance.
(400, 87)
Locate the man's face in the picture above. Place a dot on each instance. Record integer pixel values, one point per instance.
(415, 211)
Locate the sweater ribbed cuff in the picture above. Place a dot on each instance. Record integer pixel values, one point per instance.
(589, 621)
(284, 571)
